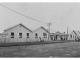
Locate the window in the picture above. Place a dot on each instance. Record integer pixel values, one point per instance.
(12, 34)
(44, 35)
(20, 35)
(36, 35)
(71, 36)
(27, 35)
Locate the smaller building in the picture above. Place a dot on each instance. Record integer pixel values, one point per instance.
(41, 34)
(59, 36)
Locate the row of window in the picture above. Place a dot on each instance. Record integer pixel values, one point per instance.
(44, 35)
(20, 35)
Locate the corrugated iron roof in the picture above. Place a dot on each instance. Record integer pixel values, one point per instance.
(16, 26)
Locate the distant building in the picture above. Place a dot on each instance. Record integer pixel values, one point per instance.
(18, 33)
(59, 36)
(41, 34)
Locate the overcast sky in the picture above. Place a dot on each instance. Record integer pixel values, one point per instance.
(61, 15)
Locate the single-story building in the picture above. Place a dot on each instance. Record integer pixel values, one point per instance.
(18, 33)
(58, 36)
(41, 34)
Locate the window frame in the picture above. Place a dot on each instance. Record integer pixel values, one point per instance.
(71, 36)
(20, 35)
(36, 35)
(12, 34)
(28, 35)
(45, 35)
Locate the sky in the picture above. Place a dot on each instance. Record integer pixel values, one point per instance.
(61, 16)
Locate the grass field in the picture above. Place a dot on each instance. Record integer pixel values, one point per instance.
(69, 49)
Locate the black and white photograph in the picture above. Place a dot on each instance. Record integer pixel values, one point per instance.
(40, 29)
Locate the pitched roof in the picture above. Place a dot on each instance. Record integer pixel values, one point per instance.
(16, 26)
(44, 29)
(59, 33)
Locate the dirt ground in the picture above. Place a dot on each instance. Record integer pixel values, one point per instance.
(70, 49)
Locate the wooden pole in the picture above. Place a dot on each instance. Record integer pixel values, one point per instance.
(49, 24)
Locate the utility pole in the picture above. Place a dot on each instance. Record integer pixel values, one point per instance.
(67, 30)
(67, 33)
(49, 24)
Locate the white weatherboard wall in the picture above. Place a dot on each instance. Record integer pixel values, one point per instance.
(18, 29)
(40, 32)
(2, 38)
